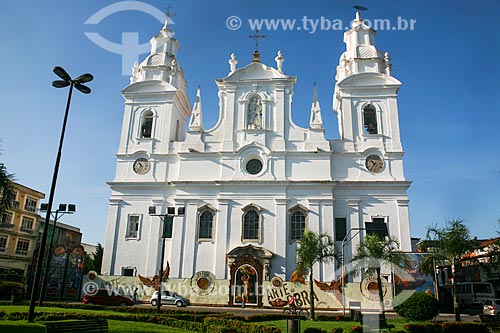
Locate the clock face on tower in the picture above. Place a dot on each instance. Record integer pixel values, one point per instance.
(374, 163)
(141, 166)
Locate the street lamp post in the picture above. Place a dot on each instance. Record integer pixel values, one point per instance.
(167, 220)
(343, 262)
(62, 210)
(78, 83)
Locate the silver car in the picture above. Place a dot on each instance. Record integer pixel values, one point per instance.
(491, 307)
(169, 297)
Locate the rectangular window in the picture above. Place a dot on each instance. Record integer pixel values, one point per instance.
(128, 272)
(30, 204)
(22, 246)
(3, 243)
(7, 218)
(205, 225)
(27, 225)
(167, 226)
(340, 228)
(378, 226)
(133, 226)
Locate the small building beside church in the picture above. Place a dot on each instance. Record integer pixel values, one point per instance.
(244, 191)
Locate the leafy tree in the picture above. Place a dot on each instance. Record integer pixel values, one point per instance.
(375, 252)
(314, 248)
(446, 246)
(6, 189)
(89, 264)
(99, 252)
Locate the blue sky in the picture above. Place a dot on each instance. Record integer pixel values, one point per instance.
(448, 104)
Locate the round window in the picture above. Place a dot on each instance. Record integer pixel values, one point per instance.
(254, 166)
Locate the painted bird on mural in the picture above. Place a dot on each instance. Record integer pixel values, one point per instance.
(155, 280)
(333, 285)
(298, 276)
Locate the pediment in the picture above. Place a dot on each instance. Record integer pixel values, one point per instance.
(150, 86)
(368, 80)
(255, 71)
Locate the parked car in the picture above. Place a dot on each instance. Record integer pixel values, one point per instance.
(106, 297)
(491, 307)
(169, 297)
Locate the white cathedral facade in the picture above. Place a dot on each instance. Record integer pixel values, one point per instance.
(247, 188)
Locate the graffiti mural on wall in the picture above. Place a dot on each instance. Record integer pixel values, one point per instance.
(65, 273)
(74, 272)
(56, 272)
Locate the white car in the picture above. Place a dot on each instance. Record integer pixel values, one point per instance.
(169, 297)
(491, 307)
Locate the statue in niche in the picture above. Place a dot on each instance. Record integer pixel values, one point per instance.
(255, 113)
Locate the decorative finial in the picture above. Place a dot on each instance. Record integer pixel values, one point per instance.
(388, 65)
(256, 56)
(196, 122)
(315, 94)
(279, 61)
(232, 63)
(316, 121)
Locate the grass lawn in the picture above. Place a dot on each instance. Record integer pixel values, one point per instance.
(329, 325)
(132, 327)
(115, 326)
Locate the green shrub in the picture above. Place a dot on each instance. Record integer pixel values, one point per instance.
(332, 318)
(463, 327)
(419, 306)
(314, 330)
(357, 329)
(423, 328)
(337, 330)
(238, 326)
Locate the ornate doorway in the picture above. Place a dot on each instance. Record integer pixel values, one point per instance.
(248, 266)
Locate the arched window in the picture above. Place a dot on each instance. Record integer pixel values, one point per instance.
(297, 225)
(370, 120)
(251, 225)
(147, 124)
(205, 225)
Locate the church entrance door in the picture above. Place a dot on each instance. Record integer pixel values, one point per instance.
(246, 281)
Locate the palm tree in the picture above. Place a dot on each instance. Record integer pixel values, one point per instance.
(314, 248)
(446, 246)
(375, 252)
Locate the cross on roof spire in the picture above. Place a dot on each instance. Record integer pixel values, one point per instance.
(256, 36)
(358, 7)
(168, 13)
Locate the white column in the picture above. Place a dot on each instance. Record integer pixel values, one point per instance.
(314, 224)
(282, 238)
(111, 243)
(229, 124)
(404, 225)
(190, 245)
(177, 244)
(327, 225)
(221, 222)
(354, 221)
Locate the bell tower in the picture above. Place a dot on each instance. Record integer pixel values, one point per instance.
(156, 109)
(365, 100)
